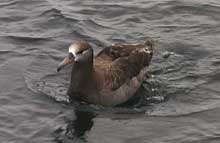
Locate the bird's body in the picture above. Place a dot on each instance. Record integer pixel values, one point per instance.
(113, 76)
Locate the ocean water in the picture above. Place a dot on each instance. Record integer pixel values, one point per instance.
(180, 103)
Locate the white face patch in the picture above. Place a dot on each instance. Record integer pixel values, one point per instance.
(72, 49)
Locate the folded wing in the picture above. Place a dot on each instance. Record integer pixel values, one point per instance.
(121, 62)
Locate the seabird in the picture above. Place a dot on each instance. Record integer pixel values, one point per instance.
(112, 76)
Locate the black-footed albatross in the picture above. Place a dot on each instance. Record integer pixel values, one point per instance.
(112, 76)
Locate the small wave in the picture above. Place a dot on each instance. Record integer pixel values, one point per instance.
(8, 3)
(50, 89)
(26, 38)
(96, 25)
(175, 108)
(56, 13)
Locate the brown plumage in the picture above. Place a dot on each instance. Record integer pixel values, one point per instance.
(113, 76)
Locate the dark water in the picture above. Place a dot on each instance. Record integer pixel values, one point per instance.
(180, 104)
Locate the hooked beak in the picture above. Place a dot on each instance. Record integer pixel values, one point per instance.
(65, 62)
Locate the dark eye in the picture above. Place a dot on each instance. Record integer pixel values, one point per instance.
(80, 52)
(70, 55)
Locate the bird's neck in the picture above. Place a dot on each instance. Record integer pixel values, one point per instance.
(80, 75)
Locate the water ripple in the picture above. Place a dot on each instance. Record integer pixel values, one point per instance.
(179, 103)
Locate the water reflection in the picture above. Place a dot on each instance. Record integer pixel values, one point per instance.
(76, 128)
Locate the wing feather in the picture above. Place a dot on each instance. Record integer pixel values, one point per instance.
(120, 62)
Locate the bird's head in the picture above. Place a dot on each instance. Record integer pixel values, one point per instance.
(79, 53)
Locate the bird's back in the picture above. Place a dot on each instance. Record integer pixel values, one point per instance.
(121, 62)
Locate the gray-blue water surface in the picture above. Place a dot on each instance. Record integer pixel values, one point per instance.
(180, 102)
